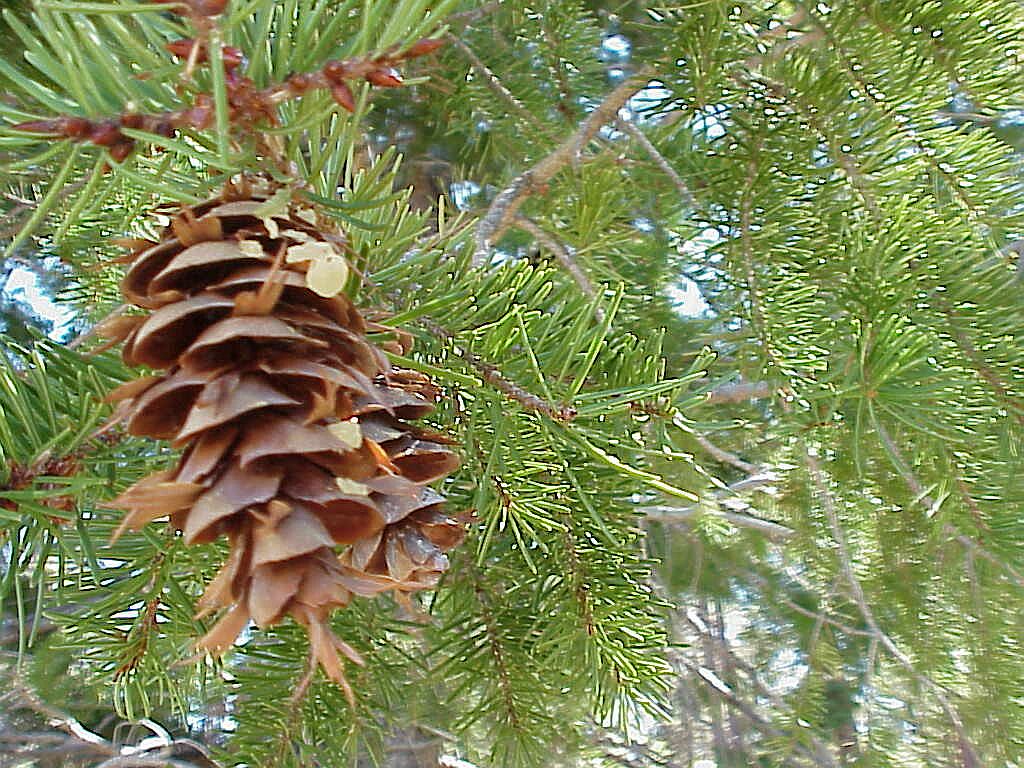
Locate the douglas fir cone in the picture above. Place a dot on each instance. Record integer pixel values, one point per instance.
(294, 425)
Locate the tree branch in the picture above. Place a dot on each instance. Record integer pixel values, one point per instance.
(676, 515)
(857, 592)
(506, 204)
(495, 84)
(563, 256)
(921, 494)
(628, 126)
(725, 457)
(562, 412)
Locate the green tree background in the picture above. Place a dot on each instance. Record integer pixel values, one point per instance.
(726, 299)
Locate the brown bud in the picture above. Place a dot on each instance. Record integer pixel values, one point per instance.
(206, 7)
(197, 7)
(164, 128)
(423, 47)
(105, 134)
(120, 150)
(76, 127)
(335, 71)
(384, 78)
(232, 57)
(343, 95)
(182, 49)
(299, 83)
(199, 115)
(132, 121)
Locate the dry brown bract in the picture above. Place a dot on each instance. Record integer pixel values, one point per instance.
(294, 426)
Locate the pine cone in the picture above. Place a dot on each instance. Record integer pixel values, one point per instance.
(293, 425)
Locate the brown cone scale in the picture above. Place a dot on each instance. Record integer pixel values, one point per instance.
(294, 428)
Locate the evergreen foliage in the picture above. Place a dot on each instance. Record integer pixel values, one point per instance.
(782, 529)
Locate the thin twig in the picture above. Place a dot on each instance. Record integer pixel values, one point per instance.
(740, 392)
(673, 515)
(466, 18)
(506, 204)
(630, 127)
(494, 83)
(725, 457)
(818, 616)
(564, 257)
(857, 592)
(562, 412)
(667, 514)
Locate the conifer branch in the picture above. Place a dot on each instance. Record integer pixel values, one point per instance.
(917, 488)
(1014, 404)
(904, 127)
(506, 203)
(246, 105)
(497, 652)
(747, 248)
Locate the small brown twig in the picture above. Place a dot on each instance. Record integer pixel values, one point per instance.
(247, 104)
(562, 412)
(506, 204)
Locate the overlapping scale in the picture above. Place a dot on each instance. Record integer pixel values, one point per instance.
(294, 428)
